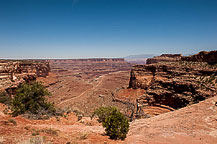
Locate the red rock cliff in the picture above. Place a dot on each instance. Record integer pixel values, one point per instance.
(164, 58)
(203, 56)
(175, 84)
(12, 73)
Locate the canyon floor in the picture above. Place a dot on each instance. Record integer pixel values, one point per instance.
(87, 86)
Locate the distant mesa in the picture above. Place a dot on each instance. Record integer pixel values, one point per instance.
(203, 56)
(139, 56)
(138, 59)
(89, 60)
(164, 58)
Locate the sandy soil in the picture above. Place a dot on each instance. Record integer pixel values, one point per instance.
(195, 124)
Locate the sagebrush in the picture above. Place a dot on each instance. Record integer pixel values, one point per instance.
(115, 123)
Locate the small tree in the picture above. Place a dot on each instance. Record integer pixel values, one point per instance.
(103, 112)
(114, 122)
(5, 98)
(30, 97)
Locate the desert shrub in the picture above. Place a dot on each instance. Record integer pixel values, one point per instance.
(49, 131)
(115, 123)
(13, 121)
(34, 140)
(35, 133)
(5, 98)
(30, 97)
(103, 112)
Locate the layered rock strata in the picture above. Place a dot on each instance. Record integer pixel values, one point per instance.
(102, 60)
(164, 58)
(203, 56)
(88, 68)
(174, 84)
(12, 73)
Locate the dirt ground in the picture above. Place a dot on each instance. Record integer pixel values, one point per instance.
(195, 124)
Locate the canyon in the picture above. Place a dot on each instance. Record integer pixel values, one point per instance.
(174, 85)
(170, 100)
(86, 84)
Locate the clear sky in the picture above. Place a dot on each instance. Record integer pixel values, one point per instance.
(105, 28)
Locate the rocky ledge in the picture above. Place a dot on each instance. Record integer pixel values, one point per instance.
(12, 73)
(164, 58)
(174, 84)
(203, 56)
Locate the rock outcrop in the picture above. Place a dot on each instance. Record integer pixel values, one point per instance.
(12, 73)
(164, 58)
(174, 84)
(203, 56)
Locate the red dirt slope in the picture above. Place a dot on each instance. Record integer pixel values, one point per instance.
(195, 124)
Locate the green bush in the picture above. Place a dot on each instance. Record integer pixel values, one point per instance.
(114, 122)
(30, 97)
(103, 112)
(5, 98)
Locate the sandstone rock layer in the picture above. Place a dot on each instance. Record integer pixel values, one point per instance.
(12, 73)
(174, 84)
(164, 58)
(203, 56)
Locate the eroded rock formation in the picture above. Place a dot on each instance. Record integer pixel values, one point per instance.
(174, 84)
(164, 58)
(203, 56)
(12, 73)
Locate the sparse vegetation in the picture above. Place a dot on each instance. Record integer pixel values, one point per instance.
(30, 98)
(102, 113)
(13, 121)
(5, 98)
(114, 122)
(49, 131)
(34, 140)
(35, 132)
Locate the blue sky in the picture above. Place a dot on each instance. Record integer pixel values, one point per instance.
(105, 28)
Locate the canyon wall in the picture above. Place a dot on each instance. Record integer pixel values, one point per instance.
(203, 56)
(164, 58)
(91, 60)
(12, 73)
(174, 84)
